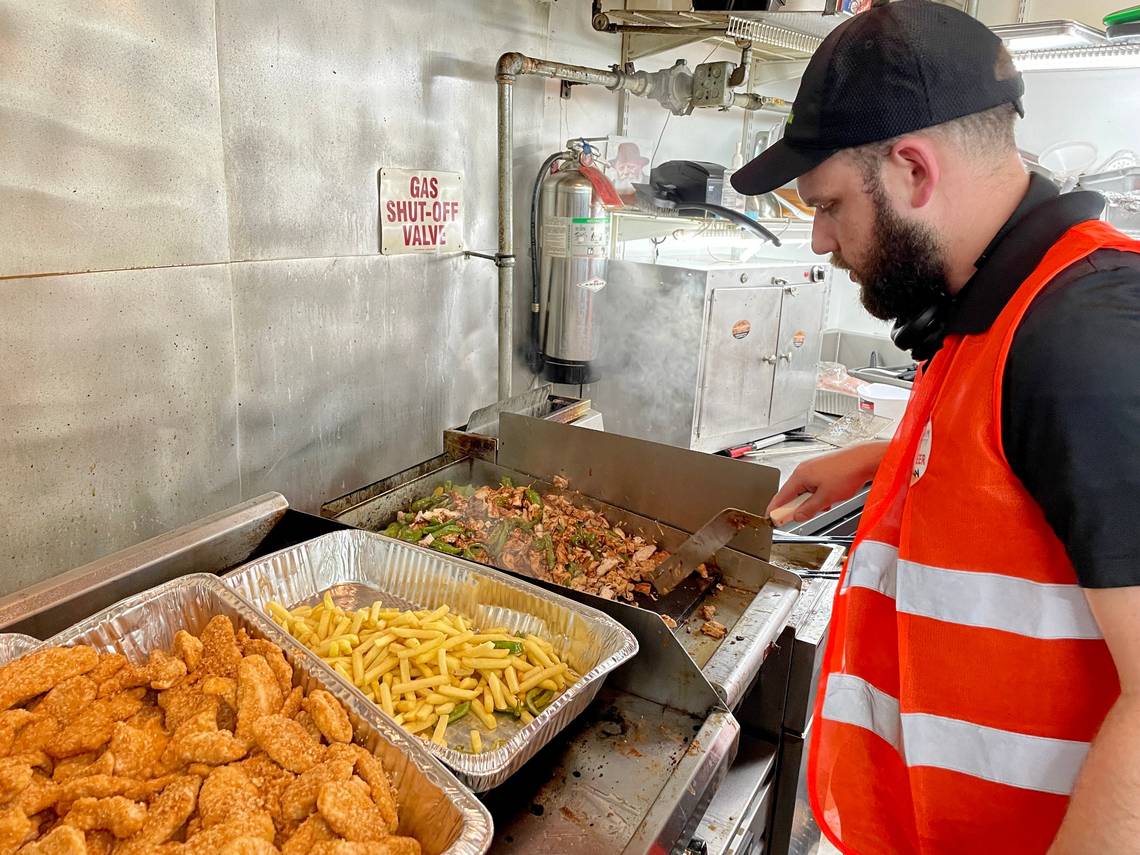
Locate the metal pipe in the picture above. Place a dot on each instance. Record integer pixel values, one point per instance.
(505, 258)
(664, 86)
(752, 101)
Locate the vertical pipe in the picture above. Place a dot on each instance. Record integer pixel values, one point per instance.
(506, 257)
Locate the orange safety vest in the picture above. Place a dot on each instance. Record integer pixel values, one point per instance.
(965, 676)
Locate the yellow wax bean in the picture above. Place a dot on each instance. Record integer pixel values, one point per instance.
(480, 713)
(426, 634)
(385, 693)
(457, 640)
(422, 683)
(537, 653)
(440, 730)
(545, 674)
(417, 726)
(460, 694)
(476, 742)
(512, 679)
(486, 664)
(357, 668)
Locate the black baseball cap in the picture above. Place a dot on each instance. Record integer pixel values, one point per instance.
(885, 72)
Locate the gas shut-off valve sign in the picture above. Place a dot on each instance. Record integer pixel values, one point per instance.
(420, 211)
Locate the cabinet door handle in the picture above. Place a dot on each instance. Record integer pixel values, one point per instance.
(787, 357)
(771, 359)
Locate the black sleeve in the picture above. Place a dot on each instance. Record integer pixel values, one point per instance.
(1071, 414)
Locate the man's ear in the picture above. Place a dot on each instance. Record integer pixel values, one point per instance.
(915, 171)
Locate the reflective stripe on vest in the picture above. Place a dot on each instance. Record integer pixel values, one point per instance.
(986, 600)
(1015, 759)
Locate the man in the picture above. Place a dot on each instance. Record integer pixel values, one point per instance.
(981, 686)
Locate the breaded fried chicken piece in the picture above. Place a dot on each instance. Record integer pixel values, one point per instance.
(15, 827)
(200, 741)
(292, 704)
(210, 840)
(80, 765)
(61, 840)
(100, 842)
(270, 780)
(11, 722)
(138, 750)
(188, 649)
(93, 729)
(387, 846)
(220, 651)
(41, 671)
(272, 655)
(108, 667)
(168, 813)
(310, 834)
(227, 795)
(372, 771)
(68, 699)
(328, 715)
(249, 846)
(258, 693)
(16, 774)
(350, 812)
(119, 815)
(287, 743)
(300, 798)
(40, 794)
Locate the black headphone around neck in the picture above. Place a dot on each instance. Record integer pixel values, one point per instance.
(922, 335)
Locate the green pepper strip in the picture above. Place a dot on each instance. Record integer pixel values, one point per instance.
(507, 482)
(469, 552)
(459, 712)
(445, 548)
(538, 699)
(410, 535)
(392, 530)
(533, 497)
(515, 647)
(499, 538)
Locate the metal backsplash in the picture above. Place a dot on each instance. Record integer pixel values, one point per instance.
(219, 161)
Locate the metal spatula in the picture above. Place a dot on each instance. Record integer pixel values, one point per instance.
(704, 543)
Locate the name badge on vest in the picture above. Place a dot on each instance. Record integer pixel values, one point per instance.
(922, 455)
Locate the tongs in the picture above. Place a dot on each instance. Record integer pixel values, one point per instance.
(704, 543)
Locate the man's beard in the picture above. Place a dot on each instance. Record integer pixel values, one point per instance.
(905, 271)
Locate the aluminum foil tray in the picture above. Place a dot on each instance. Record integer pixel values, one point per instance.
(13, 645)
(359, 567)
(434, 807)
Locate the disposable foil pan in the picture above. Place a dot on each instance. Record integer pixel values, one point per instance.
(13, 645)
(359, 567)
(434, 807)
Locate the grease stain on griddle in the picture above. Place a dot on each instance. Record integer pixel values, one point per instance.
(537, 809)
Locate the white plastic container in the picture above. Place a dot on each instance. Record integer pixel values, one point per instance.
(884, 400)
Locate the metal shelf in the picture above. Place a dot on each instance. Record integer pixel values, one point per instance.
(630, 226)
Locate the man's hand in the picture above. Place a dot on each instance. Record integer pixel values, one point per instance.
(831, 478)
(1102, 816)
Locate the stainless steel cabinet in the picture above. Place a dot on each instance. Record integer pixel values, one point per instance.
(707, 358)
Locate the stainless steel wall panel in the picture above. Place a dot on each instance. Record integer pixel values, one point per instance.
(350, 369)
(317, 97)
(109, 136)
(117, 412)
